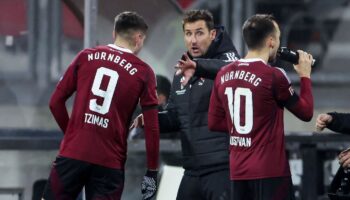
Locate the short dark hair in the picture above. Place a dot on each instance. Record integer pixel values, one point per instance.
(257, 28)
(163, 85)
(195, 15)
(128, 21)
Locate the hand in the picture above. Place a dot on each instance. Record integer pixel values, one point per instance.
(149, 185)
(187, 68)
(303, 68)
(344, 158)
(322, 121)
(138, 122)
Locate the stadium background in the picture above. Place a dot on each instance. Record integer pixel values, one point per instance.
(39, 38)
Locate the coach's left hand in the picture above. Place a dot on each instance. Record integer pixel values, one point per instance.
(187, 68)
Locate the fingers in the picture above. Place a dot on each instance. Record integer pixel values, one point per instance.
(185, 55)
(344, 159)
(322, 121)
(138, 122)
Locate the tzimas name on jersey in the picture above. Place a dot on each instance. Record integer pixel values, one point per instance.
(240, 141)
(96, 120)
(113, 58)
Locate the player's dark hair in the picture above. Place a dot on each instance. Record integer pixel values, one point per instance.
(257, 28)
(196, 15)
(127, 22)
(163, 85)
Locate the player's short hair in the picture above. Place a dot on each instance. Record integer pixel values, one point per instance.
(127, 22)
(196, 15)
(163, 85)
(257, 28)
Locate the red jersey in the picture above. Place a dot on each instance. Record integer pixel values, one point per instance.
(249, 97)
(109, 81)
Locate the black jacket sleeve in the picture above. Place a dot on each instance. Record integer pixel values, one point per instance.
(340, 122)
(208, 68)
(168, 118)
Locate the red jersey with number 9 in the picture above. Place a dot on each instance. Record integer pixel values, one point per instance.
(109, 82)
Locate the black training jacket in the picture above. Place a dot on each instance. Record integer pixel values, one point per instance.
(340, 122)
(187, 111)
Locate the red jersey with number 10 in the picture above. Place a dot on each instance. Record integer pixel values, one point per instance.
(251, 96)
(109, 81)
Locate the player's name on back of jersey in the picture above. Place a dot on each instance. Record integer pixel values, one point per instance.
(240, 141)
(241, 75)
(96, 120)
(112, 57)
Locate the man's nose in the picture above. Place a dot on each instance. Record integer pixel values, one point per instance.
(193, 39)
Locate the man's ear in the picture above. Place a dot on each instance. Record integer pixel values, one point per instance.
(113, 35)
(270, 42)
(212, 34)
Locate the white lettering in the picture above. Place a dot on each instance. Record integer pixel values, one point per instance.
(90, 57)
(110, 57)
(97, 55)
(96, 120)
(103, 56)
(122, 63)
(241, 141)
(133, 71)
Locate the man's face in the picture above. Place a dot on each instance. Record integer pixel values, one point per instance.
(198, 38)
(275, 43)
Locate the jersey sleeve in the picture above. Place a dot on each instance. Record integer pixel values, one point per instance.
(149, 104)
(149, 94)
(216, 113)
(301, 106)
(65, 88)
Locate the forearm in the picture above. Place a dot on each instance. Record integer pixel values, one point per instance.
(151, 129)
(208, 68)
(304, 107)
(59, 110)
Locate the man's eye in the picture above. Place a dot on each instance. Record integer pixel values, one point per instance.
(188, 34)
(199, 33)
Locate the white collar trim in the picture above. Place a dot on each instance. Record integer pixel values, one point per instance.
(252, 60)
(120, 48)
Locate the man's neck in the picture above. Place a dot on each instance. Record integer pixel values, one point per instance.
(123, 44)
(262, 54)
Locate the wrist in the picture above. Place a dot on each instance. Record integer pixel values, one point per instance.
(151, 173)
(305, 76)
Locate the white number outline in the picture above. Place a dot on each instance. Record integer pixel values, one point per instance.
(107, 94)
(234, 108)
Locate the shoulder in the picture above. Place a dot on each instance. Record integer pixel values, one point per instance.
(227, 68)
(280, 74)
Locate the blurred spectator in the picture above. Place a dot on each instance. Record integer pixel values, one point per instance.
(163, 91)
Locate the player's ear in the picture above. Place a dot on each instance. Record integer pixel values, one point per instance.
(270, 42)
(113, 35)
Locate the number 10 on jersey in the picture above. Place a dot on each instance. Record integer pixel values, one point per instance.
(235, 107)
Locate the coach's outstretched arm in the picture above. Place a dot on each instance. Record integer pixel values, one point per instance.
(338, 122)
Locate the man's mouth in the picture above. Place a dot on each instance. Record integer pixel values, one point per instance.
(195, 50)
